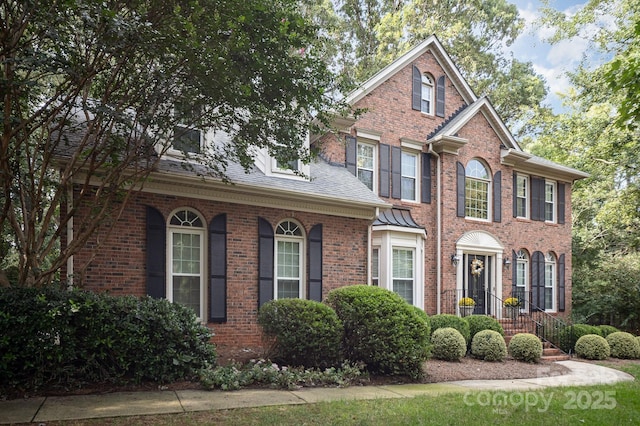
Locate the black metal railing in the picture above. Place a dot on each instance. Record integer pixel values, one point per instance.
(525, 317)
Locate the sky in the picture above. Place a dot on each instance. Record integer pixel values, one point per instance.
(552, 62)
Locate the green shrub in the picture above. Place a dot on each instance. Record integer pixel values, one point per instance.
(488, 345)
(592, 346)
(570, 335)
(381, 330)
(305, 333)
(448, 320)
(66, 338)
(525, 347)
(448, 344)
(606, 330)
(623, 345)
(482, 322)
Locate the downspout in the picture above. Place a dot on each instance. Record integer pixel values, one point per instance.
(438, 231)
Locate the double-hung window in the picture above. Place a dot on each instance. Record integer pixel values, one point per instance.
(522, 196)
(409, 181)
(366, 164)
(549, 281)
(289, 262)
(477, 184)
(522, 277)
(426, 105)
(403, 272)
(549, 201)
(375, 266)
(186, 260)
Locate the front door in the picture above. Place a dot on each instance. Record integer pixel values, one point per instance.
(477, 273)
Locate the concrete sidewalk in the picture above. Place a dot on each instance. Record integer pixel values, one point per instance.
(119, 404)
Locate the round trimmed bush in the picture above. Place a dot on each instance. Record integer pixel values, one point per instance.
(482, 322)
(305, 333)
(381, 330)
(488, 345)
(606, 330)
(570, 335)
(592, 346)
(623, 345)
(448, 344)
(448, 320)
(525, 347)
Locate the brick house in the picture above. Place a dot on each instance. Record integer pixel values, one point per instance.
(427, 194)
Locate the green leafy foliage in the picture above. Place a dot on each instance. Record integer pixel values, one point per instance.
(525, 347)
(381, 330)
(569, 335)
(623, 345)
(488, 345)
(261, 372)
(66, 338)
(593, 346)
(606, 330)
(448, 344)
(482, 322)
(453, 321)
(304, 332)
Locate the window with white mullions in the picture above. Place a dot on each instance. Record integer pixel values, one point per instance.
(426, 105)
(549, 281)
(289, 262)
(549, 201)
(366, 164)
(403, 273)
(409, 182)
(522, 196)
(477, 184)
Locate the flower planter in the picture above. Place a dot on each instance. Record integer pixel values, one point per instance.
(511, 312)
(465, 311)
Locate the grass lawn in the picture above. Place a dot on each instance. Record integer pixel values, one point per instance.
(617, 404)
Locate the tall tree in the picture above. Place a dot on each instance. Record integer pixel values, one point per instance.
(474, 33)
(93, 91)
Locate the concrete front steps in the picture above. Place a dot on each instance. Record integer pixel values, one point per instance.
(511, 328)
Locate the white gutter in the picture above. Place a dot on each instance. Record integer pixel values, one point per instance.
(438, 231)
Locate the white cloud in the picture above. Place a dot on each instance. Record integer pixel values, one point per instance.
(567, 53)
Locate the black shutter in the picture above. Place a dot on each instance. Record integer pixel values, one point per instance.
(315, 263)
(396, 172)
(561, 284)
(218, 268)
(351, 154)
(416, 91)
(426, 178)
(265, 261)
(460, 189)
(497, 197)
(537, 280)
(537, 199)
(384, 157)
(515, 194)
(440, 96)
(156, 253)
(561, 203)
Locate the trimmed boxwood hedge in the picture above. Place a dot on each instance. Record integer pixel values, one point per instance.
(453, 321)
(623, 345)
(381, 330)
(488, 345)
(448, 344)
(525, 347)
(305, 333)
(483, 322)
(570, 335)
(53, 336)
(592, 346)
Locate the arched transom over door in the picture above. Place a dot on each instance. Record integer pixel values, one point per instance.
(479, 271)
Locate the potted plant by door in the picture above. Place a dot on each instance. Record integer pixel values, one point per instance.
(511, 307)
(466, 305)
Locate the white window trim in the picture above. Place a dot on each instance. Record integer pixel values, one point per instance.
(174, 229)
(431, 85)
(522, 258)
(303, 255)
(551, 260)
(489, 183)
(527, 195)
(269, 165)
(374, 176)
(375, 269)
(412, 250)
(386, 239)
(554, 202)
(416, 177)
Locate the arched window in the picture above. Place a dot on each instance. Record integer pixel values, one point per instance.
(477, 184)
(426, 105)
(549, 281)
(186, 238)
(289, 260)
(522, 277)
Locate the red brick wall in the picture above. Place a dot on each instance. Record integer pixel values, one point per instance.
(119, 264)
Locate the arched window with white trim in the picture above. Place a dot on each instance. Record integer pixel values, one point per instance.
(289, 260)
(477, 184)
(186, 254)
(550, 282)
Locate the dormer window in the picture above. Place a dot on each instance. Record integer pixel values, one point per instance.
(426, 104)
(187, 140)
